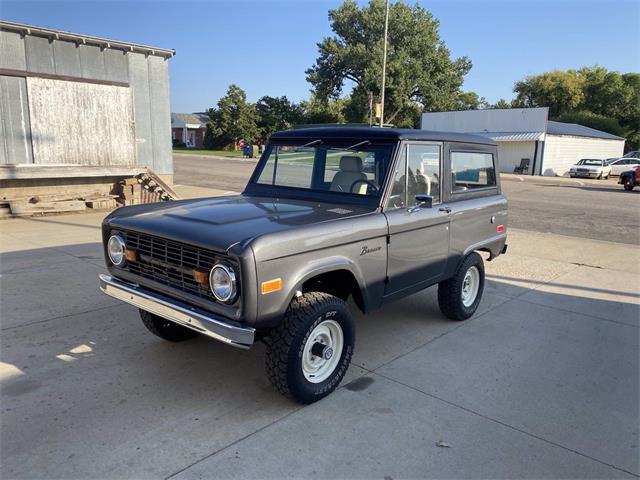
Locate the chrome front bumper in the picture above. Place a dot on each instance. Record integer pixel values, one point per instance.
(226, 331)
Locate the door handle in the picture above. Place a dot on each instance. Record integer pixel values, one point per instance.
(445, 209)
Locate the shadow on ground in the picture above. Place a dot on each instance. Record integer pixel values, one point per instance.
(88, 392)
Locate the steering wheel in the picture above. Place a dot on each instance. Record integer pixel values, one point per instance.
(369, 183)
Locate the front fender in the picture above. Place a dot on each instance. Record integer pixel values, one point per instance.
(294, 272)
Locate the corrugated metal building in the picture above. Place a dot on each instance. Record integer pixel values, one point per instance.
(76, 106)
(548, 147)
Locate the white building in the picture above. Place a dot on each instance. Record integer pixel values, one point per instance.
(526, 136)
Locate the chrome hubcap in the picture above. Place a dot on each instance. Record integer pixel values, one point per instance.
(322, 351)
(470, 286)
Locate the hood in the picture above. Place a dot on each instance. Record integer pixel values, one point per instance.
(588, 167)
(218, 223)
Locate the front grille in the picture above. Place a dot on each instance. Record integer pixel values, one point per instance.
(171, 263)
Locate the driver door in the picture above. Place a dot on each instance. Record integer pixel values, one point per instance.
(418, 245)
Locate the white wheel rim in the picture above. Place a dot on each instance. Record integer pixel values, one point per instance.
(316, 368)
(470, 286)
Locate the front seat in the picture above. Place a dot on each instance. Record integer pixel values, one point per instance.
(350, 171)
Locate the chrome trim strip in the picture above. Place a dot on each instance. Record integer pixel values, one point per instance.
(226, 331)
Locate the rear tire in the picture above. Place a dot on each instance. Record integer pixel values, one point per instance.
(459, 296)
(628, 184)
(314, 321)
(165, 329)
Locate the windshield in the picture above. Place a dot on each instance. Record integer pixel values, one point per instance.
(350, 168)
(587, 161)
(632, 155)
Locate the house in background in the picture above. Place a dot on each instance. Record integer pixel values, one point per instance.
(525, 136)
(189, 128)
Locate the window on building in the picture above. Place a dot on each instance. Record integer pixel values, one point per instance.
(472, 170)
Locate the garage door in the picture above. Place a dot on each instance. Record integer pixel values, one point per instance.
(81, 123)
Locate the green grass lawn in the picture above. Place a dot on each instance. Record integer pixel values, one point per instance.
(212, 153)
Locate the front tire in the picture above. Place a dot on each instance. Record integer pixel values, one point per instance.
(165, 329)
(310, 351)
(459, 296)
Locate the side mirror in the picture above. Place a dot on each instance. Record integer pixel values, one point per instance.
(425, 201)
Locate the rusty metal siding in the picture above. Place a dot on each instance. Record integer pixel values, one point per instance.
(39, 52)
(15, 129)
(12, 51)
(80, 123)
(160, 111)
(67, 58)
(139, 81)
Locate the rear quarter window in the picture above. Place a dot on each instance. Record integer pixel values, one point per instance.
(472, 171)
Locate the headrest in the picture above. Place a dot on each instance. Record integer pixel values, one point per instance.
(350, 163)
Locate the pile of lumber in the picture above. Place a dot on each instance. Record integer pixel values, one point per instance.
(145, 187)
(59, 203)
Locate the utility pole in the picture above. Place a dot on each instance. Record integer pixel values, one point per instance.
(384, 61)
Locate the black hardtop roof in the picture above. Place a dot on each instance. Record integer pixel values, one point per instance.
(375, 133)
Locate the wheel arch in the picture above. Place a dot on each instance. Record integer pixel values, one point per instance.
(339, 277)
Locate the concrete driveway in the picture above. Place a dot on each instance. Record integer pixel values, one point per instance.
(542, 382)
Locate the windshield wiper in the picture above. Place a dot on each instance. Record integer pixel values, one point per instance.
(311, 144)
(366, 142)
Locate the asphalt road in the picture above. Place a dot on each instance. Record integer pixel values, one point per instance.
(597, 209)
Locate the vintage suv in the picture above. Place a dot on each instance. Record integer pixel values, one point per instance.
(329, 213)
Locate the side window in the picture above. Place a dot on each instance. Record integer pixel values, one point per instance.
(423, 174)
(398, 197)
(472, 170)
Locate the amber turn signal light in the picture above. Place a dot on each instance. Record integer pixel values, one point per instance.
(201, 277)
(271, 286)
(131, 255)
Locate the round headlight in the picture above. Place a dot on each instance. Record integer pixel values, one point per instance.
(222, 281)
(115, 249)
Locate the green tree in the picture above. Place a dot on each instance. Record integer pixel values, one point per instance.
(277, 113)
(502, 103)
(316, 110)
(470, 101)
(591, 96)
(234, 119)
(594, 120)
(420, 72)
(560, 91)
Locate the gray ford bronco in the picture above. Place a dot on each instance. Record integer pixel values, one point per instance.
(329, 213)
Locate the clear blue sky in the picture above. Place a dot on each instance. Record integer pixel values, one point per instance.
(265, 46)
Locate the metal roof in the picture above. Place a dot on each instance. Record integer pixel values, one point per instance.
(375, 133)
(513, 136)
(85, 39)
(576, 130)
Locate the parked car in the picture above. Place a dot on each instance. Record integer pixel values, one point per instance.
(590, 168)
(278, 262)
(623, 164)
(630, 178)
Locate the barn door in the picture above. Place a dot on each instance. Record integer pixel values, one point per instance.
(81, 123)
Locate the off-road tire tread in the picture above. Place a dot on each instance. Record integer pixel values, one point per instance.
(450, 291)
(177, 333)
(281, 338)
